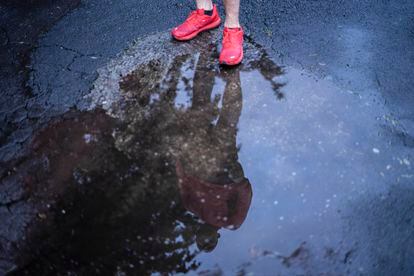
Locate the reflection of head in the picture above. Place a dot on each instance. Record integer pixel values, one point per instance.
(207, 238)
(218, 205)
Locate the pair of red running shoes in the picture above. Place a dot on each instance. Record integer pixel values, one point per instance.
(198, 21)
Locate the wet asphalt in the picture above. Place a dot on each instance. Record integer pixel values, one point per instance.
(111, 133)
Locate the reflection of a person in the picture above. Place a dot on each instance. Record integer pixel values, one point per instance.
(111, 184)
(211, 180)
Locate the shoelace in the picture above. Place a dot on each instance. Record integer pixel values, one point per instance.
(228, 39)
(193, 18)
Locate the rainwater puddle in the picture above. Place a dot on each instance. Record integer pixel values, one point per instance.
(194, 168)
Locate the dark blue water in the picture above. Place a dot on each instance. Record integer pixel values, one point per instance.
(199, 169)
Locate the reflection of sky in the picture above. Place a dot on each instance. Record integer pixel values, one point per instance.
(308, 157)
(184, 93)
(218, 90)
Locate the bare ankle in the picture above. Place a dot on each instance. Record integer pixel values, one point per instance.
(205, 5)
(232, 25)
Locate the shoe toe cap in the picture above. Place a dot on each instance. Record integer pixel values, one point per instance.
(177, 32)
(230, 56)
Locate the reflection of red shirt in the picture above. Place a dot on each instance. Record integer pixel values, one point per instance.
(218, 205)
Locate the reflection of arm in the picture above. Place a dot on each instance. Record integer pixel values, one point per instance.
(172, 79)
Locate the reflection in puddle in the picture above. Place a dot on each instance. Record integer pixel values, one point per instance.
(149, 191)
(194, 168)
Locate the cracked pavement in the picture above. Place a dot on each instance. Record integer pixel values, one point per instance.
(348, 77)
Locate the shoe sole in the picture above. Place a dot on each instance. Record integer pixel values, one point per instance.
(205, 28)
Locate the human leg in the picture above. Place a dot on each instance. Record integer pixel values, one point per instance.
(232, 13)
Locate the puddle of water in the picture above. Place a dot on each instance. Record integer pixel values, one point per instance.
(210, 170)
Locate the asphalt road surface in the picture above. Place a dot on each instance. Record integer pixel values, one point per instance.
(124, 152)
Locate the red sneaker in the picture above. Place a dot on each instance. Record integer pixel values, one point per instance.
(232, 51)
(196, 23)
